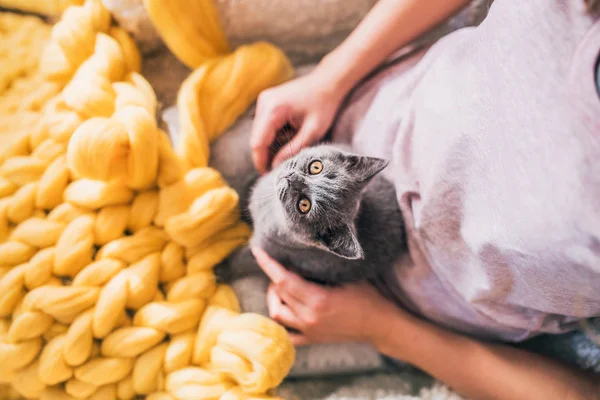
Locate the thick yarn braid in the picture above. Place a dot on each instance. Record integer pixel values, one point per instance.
(192, 32)
(44, 7)
(107, 240)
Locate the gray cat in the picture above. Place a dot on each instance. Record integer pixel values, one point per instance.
(325, 214)
(352, 230)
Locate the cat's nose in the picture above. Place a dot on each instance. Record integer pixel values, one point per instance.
(296, 182)
(292, 178)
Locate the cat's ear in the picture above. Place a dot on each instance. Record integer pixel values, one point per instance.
(342, 241)
(364, 168)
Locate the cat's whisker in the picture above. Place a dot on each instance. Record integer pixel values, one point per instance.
(274, 148)
(277, 144)
(264, 197)
(289, 135)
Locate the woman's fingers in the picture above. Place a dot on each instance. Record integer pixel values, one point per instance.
(286, 282)
(280, 312)
(285, 316)
(299, 339)
(272, 268)
(295, 291)
(267, 122)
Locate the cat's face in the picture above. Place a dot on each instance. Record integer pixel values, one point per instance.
(313, 198)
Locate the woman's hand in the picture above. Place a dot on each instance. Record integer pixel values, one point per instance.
(357, 313)
(308, 104)
(353, 313)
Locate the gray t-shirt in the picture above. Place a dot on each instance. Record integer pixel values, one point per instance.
(494, 138)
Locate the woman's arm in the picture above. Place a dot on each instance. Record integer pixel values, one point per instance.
(358, 313)
(390, 25)
(480, 370)
(310, 103)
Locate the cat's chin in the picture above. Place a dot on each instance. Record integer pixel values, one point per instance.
(352, 257)
(327, 278)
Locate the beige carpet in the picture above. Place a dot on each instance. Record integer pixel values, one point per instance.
(403, 385)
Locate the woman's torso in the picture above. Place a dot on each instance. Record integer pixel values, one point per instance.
(494, 138)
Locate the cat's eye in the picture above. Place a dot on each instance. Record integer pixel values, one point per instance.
(315, 167)
(304, 205)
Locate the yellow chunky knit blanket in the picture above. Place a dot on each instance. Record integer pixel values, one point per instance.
(108, 236)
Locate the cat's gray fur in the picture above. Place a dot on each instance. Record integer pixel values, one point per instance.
(353, 231)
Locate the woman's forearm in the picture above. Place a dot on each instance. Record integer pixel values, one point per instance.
(480, 370)
(390, 25)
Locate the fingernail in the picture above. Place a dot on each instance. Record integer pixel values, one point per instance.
(257, 252)
(260, 254)
(257, 164)
(270, 266)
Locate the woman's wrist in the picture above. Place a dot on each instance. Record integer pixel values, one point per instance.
(336, 73)
(390, 328)
(416, 341)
